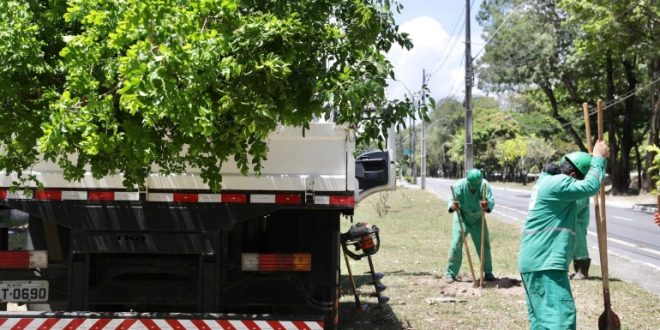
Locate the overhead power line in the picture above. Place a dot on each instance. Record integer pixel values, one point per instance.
(619, 100)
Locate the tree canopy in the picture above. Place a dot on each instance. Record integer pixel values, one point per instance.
(564, 53)
(126, 85)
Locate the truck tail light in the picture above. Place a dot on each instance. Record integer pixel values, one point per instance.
(101, 196)
(233, 198)
(23, 259)
(185, 198)
(48, 195)
(297, 262)
(287, 199)
(342, 200)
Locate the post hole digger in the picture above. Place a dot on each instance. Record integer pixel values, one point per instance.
(364, 239)
(484, 228)
(608, 319)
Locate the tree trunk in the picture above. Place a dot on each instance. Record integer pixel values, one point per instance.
(638, 161)
(621, 183)
(565, 124)
(654, 124)
(612, 164)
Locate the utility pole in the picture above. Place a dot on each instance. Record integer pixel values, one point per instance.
(469, 160)
(423, 174)
(414, 147)
(411, 158)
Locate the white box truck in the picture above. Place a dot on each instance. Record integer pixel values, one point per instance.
(262, 253)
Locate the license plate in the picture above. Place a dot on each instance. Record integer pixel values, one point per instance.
(23, 291)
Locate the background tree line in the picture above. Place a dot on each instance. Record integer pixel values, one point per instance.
(544, 59)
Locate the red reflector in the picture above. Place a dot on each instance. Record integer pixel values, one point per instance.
(14, 259)
(185, 198)
(101, 195)
(342, 200)
(3, 193)
(233, 198)
(283, 262)
(49, 195)
(287, 199)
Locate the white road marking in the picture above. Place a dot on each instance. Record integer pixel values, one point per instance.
(628, 244)
(622, 218)
(508, 216)
(629, 259)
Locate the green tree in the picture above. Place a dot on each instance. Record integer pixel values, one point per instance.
(30, 39)
(510, 152)
(445, 120)
(527, 51)
(574, 51)
(619, 39)
(178, 83)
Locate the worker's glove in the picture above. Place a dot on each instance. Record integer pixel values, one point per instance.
(454, 206)
(484, 205)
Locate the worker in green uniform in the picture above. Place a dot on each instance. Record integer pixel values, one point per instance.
(470, 202)
(581, 260)
(548, 237)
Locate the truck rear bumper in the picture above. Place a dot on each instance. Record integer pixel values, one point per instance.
(149, 321)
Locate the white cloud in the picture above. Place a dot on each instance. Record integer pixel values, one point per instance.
(434, 50)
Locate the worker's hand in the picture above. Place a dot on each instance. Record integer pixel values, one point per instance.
(601, 149)
(484, 205)
(454, 206)
(656, 218)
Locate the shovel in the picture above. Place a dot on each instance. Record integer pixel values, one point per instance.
(608, 319)
(467, 250)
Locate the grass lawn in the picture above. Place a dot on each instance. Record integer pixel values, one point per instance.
(415, 237)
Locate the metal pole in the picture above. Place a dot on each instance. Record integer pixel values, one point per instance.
(414, 151)
(411, 160)
(423, 174)
(469, 161)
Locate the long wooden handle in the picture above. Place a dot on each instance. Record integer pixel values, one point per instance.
(602, 252)
(587, 126)
(483, 240)
(465, 244)
(603, 218)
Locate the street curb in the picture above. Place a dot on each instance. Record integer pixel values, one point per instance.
(645, 208)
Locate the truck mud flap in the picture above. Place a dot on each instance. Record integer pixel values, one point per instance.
(134, 321)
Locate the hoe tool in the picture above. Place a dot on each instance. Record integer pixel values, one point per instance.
(608, 319)
(467, 250)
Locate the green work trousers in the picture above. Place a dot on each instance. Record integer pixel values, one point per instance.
(456, 249)
(581, 225)
(581, 248)
(550, 302)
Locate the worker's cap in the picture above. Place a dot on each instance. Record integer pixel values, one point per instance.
(474, 178)
(580, 161)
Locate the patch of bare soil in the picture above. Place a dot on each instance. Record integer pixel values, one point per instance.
(463, 289)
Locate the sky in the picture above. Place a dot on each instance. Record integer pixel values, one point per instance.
(437, 30)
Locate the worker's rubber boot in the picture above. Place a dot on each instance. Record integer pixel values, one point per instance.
(581, 269)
